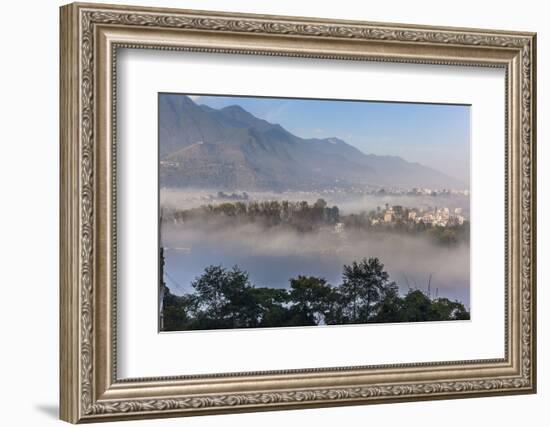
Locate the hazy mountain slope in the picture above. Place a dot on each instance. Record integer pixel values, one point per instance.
(182, 123)
(232, 149)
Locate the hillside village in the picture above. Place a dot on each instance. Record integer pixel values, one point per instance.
(441, 217)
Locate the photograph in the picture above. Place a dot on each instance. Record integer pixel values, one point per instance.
(278, 212)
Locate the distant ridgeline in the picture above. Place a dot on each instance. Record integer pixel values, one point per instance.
(229, 148)
(225, 299)
(440, 225)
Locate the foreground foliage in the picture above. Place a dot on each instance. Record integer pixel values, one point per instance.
(225, 298)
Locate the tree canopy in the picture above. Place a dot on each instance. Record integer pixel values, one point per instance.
(225, 299)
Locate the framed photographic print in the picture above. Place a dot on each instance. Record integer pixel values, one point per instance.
(265, 212)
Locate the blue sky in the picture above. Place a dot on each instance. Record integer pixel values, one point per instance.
(434, 135)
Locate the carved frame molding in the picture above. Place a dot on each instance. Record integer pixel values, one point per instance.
(90, 390)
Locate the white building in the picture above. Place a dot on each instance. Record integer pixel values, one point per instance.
(388, 216)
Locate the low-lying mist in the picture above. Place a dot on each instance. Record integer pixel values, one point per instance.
(274, 255)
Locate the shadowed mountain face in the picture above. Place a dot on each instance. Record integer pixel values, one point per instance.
(230, 148)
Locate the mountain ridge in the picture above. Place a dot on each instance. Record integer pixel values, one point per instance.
(230, 148)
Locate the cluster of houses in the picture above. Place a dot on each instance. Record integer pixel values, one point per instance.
(393, 191)
(442, 217)
(435, 192)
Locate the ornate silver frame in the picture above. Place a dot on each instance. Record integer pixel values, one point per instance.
(90, 36)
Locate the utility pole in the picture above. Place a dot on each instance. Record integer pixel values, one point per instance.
(162, 286)
(162, 289)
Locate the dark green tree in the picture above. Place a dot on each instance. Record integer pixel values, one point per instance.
(272, 305)
(178, 311)
(310, 299)
(363, 285)
(221, 296)
(390, 307)
(445, 309)
(416, 307)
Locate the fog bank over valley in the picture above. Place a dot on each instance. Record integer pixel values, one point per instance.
(273, 255)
